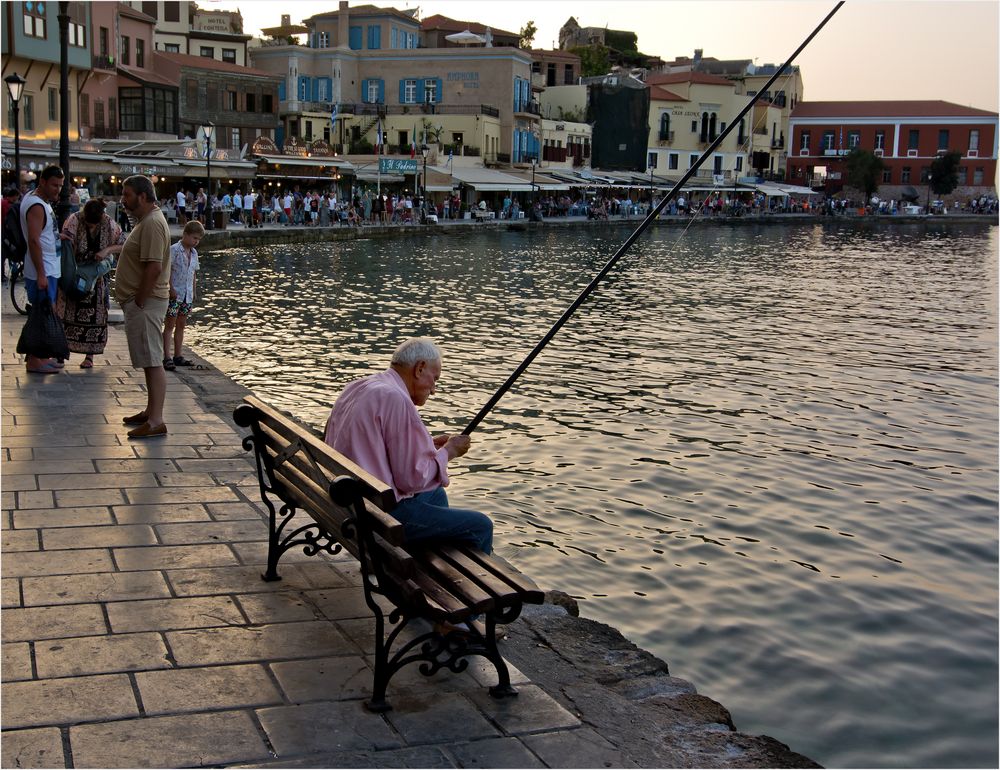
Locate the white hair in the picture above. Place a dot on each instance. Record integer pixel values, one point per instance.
(416, 349)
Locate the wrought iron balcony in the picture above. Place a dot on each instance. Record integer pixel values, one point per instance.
(104, 62)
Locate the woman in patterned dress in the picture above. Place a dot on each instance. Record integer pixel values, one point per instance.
(94, 236)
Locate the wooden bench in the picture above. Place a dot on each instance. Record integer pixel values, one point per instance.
(344, 507)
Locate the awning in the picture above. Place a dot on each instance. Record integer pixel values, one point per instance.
(771, 190)
(303, 178)
(488, 180)
(543, 182)
(310, 161)
(791, 189)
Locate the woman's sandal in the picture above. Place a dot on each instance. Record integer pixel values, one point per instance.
(87, 363)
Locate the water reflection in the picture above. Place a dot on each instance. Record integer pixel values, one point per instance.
(768, 454)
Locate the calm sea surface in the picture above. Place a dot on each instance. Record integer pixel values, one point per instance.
(768, 455)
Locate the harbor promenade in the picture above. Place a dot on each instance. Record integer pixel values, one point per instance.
(137, 631)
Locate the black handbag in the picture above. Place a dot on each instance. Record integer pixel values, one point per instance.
(43, 335)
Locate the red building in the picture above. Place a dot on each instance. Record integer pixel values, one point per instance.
(907, 135)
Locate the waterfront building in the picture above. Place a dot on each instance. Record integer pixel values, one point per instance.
(688, 112)
(907, 135)
(373, 65)
(183, 27)
(30, 48)
(768, 128)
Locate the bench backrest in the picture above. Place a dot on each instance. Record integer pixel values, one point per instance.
(300, 468)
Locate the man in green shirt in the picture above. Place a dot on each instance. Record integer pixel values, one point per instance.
(142, 288)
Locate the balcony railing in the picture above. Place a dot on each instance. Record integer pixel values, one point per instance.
(104, 62)
(666, 136)
(532, 108)
(778, 144)
(373, 109)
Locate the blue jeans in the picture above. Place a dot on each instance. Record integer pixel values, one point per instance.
(427, 516)
(31, 289)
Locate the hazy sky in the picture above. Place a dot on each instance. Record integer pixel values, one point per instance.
(871, 49)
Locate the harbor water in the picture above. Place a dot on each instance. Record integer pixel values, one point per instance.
(767, 454)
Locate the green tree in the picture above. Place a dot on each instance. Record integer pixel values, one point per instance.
(864, 171)
(527, 35)
(594, 59)
(944, 173)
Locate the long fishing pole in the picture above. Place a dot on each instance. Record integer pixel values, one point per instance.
(639, 231)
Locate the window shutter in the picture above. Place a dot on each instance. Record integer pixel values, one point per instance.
(402, 91)
(355, 38)
(281, 91)
(329, 89)
(438, 90)
(364, 90)
(420, 91)
(315, 89)
(381, 92)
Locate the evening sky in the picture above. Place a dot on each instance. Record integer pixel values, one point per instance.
(871, 49)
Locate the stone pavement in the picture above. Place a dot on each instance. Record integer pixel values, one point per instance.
(137, 631)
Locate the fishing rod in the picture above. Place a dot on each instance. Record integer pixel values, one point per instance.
(639, 231)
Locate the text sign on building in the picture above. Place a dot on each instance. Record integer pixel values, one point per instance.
(467, 79)
(398, 165)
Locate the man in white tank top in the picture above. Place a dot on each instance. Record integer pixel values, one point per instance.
(42, 268)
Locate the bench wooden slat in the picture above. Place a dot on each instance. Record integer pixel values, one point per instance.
(453, 607)
(458, 583)
(300, 472)
(525, 586)
(381, 493)
(495, 586)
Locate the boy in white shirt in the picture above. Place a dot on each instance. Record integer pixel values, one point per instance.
(183, 266)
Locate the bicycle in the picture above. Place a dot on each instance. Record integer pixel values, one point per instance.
(18, 293)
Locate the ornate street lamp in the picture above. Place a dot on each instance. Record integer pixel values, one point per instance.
(424, 149)
(15, 86)
(208, 129)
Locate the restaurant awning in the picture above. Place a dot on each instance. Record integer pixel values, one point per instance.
(543, 182)
(316, 160)
(771, 190)
(488, 180)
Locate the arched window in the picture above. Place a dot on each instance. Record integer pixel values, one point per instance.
(704, 126)
(711, 128)
(664, 126)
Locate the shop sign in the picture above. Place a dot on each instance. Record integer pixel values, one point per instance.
(293, 148)
(398, 165)
(321, 149)
(126, 168)
(264, 145)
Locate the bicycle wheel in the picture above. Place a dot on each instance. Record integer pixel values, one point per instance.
(18, 294)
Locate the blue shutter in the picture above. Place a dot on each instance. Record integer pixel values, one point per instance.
(329, 89)
(364, 90)
(393, 38)
(381, 91)
(315, 89)
(402, 91)
(355, 38)
(439, 90)
(281, 91)
(420, 90)
(378, 36)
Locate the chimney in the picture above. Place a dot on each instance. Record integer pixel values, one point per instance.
(343, 25)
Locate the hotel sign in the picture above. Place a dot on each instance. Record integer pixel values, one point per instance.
(467, 79)
(398, 165)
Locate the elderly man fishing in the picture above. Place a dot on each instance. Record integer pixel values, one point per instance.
(376, 424)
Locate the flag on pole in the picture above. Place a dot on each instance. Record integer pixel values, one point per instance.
(333, 115)
(378, 138)
(413, 142)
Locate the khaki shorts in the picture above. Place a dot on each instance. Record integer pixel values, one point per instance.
(144, 332)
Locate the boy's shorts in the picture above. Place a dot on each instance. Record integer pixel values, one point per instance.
(176, 307)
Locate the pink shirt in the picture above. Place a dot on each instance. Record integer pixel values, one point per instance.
(376, 425)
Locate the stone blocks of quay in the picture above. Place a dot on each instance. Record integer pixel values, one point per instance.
(137, 631)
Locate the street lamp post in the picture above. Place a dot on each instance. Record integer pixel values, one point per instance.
(424, 149)
(15, 85)
(534, 164)
(208, 129)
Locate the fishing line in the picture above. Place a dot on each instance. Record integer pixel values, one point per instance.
(654, 212)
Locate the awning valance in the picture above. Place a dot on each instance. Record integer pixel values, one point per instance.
(315, 160)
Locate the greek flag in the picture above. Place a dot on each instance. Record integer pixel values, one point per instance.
(378, 137)
(333, 115)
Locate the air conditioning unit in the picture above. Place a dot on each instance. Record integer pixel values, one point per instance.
(911, 153)
(878, 152)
